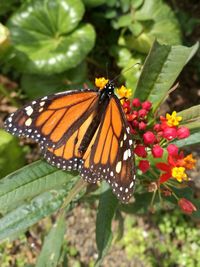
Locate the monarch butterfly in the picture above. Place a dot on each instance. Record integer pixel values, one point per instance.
(84, 130)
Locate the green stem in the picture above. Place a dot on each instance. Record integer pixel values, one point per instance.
(153, 198)
(6, 94)
(80, 184)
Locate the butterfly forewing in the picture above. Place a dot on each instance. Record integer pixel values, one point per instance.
(49, 119)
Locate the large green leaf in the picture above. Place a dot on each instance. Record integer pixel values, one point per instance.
(47, 37)
(106, 210)
(51, 249)
(161, 68)
(39, 85)
(191, 118)
(193, 139)
(30, 181)
(11, 154)
(24, 216)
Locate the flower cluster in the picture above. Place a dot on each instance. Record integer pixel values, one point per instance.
(154, 139)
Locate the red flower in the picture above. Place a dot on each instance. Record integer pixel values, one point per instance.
(172, 150)
(136, 102)
(147, 105)
(149, 138)
(144, 165)
(173, 162)
(167, 169)
(186, 206)
(130, 117)
(183, 132)
(140, 151)
(169, 133)
(157, 151)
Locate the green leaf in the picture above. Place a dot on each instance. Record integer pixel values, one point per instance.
(106, 210)
(193, 139)
(48, 38)
(7, 6)
(126, 60)
(20, 219)
(139, 206)
(161, 68)
(164, 20)
(51, 249)
(123, 21)
(11, 154)
(39, 85)
(191, 118)
(30, 181)
(156, 19)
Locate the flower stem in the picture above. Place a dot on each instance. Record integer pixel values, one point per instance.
(80, 184)
(153, 198)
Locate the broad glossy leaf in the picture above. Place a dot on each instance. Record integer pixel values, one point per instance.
(30, 181)
(47, 37)
(52, 246)
(11, 154)
(39, 85)
(161, 68)
(106, 210)
(191, 118)
(26, 215)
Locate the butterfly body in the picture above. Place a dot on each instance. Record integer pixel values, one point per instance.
(83, 130)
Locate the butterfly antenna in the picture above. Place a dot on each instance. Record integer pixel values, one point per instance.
(124, 71)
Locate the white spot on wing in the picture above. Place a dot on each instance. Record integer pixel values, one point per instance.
(118, 167)
(28, 122)
(126, 154)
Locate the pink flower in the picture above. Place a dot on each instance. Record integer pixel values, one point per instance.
(169, 133)
(142, 125)
(186, 206)
(135, 123)
(144, 165)
(157, 151)
(126, 106)
(142, 113)
(136, 102)
(140, 151)
(183, 132)
(147, 105)
(172, 150)
(157, 127)
(149, 138)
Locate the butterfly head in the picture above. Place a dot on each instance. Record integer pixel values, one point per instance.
(109, 88)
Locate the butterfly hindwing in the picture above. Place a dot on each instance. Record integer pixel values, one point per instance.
(110, 154)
